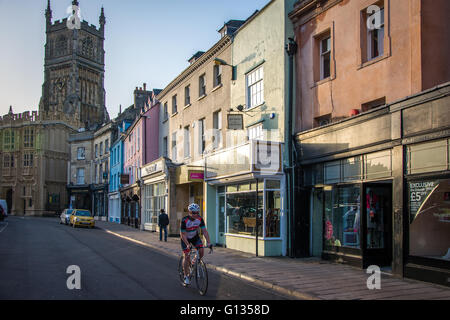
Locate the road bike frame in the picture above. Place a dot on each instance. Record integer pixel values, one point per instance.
(197, 270)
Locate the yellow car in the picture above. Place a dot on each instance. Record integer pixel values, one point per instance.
(81, 217)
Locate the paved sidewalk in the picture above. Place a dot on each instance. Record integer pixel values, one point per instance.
(310, 279)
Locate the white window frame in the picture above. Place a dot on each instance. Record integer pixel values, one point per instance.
(202, 85)
(187, 95)
(80, 176)
(254, 83)
(255, 132)
(217, 75)
(174, 146)
(201, 136)
(187, 142)
(217, 127)
(322, 57)
(81, 153)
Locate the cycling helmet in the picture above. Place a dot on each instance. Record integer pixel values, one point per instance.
(194, 207)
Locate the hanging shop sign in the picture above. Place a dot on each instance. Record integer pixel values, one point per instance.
(235, 122)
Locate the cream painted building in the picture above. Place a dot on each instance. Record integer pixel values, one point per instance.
(193, 117)
(245, 184)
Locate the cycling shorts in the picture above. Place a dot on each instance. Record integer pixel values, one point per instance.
(195, 241)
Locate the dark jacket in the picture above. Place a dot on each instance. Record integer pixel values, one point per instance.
(163, 219)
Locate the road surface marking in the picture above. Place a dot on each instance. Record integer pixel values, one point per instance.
(4, 227)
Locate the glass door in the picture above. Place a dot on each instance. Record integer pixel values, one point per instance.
(377, 208)
(221, 221)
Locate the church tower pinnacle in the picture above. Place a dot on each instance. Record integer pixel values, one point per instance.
(48, 14)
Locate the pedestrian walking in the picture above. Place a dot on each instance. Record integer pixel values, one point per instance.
(163, 222)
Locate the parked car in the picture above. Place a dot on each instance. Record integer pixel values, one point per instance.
(65, 216)
(81, 217)
(3, 209)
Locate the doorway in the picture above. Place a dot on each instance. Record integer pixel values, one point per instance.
(9, 200)
(377, 220)
(221, 221)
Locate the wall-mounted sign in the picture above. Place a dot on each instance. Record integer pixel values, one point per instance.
(124, 179)
(152, 168)
(195, 176)
(235, 122)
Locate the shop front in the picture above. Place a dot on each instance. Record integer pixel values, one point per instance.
(245, 199)
(383, 197)
(130, 198)
(428, 194)
(350, 204)
(155, 190)
(80, 197)
(114, 207)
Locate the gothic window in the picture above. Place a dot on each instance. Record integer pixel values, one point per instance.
(28, 140)
(61, 46)
(87, 47)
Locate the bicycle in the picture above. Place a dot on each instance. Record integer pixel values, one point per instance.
(197, 269)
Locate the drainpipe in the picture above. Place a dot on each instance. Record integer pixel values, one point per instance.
(291, 50)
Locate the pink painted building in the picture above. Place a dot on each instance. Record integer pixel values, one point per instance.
(140, 147)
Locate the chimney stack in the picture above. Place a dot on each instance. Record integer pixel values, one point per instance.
(145, 86)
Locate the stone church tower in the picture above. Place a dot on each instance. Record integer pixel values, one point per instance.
(74, 71)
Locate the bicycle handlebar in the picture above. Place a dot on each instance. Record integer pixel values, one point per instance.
(210, 248)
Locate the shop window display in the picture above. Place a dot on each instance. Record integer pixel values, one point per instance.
(155, 200)
(273, 205)
(429, 207)
(342, 217)
(241, 213)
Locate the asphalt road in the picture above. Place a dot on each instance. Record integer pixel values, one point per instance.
(36, 252)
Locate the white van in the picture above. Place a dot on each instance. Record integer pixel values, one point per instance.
(5, 207)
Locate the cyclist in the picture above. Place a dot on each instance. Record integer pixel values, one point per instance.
(189, 233)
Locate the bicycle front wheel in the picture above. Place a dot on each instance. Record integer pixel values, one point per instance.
(181, 272)
(201, 277)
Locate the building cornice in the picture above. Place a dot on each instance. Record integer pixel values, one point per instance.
(305, 10)
(223, 43)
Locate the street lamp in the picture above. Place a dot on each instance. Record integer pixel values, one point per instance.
(220, 62)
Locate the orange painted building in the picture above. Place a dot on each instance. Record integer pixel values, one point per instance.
(342, 65)
(372, 134)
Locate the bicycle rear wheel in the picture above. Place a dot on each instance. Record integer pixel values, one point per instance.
(201, 277)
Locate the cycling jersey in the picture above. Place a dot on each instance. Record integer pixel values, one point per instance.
(191, 226)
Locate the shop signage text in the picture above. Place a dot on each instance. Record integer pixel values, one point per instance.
(235, 122)
(152, 168)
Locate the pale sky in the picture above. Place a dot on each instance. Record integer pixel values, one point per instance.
(146, 41)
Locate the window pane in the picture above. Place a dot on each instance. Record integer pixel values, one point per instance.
(429, 231)
(342, 217)
(352, 169)
(332, 172)
(241, 213)
(378, 165)
(273, 184)
(326, 65)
